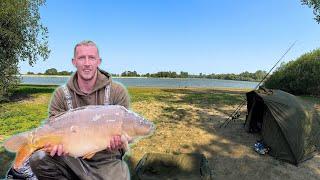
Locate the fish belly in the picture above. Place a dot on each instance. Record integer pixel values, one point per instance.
(78, 145)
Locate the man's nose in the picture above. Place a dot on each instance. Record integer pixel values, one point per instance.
(87, 61)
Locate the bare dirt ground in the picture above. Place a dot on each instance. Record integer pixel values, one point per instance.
(187, 125)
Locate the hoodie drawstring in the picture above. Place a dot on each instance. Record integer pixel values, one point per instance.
(75, 98)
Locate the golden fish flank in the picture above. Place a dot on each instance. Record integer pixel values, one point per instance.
(82, 131)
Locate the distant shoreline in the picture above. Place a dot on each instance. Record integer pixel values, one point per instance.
(37, 75)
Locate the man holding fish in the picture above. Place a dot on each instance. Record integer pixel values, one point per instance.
(88, 86)
(81, 154)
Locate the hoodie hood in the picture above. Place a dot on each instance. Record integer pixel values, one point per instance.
(103, 79)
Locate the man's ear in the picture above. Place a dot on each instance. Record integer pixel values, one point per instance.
(100, 60)
(73, 61)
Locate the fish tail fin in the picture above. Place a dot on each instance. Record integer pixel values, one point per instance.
(15, 143)
(27, 149)
(22, 155)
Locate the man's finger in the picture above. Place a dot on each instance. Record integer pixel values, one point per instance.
(112, 143)
(60, 149)
(120, 144)
(118, 141)
(54, 150)
(115, 142)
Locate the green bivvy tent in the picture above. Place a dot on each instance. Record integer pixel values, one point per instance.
(289, 125)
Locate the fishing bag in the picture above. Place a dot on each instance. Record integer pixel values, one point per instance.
(154, 166)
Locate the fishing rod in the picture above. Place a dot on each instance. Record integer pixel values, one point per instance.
(236, 114)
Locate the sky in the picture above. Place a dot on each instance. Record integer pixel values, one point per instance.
(195, 36)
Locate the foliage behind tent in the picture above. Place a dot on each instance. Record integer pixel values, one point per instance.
(299, 77)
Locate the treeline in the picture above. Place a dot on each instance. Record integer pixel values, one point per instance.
(161, 74)
(52, 71)
(245, 76)
(299, 77)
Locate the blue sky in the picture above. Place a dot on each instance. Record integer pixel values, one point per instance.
(197, 36)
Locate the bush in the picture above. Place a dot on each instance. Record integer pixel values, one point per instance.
(300, 77)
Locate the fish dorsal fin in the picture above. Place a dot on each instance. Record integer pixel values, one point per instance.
(14, 143)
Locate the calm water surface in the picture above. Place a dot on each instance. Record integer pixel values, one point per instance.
(149, 82)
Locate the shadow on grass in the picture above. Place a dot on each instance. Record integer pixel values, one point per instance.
(23, 92)
(205, 99)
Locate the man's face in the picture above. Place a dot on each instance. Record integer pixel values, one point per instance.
(86, 61)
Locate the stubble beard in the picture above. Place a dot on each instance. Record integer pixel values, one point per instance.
(88, 77)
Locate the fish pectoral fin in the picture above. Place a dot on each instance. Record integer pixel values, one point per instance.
(89, 155)
(22, 155)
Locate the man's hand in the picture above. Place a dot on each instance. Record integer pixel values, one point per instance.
(55, 149)
(115, 143)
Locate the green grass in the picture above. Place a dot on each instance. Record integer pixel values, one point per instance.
(27, 108)
(18, 117)
(146, 94)
(32, 89)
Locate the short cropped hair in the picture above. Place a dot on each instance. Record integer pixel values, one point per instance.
(85, 43)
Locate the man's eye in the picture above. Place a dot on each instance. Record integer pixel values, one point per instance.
(81, 58)
(92, 58)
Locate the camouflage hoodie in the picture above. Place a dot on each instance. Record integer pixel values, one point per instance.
(118, 94)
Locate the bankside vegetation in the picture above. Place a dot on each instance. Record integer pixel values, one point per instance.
(22, 38)
(244, 76)
(299, 77)
(52, 71)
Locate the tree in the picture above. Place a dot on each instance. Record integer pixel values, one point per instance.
(315, 5)
(259, 75)
(184, 74)
(22, 38)
(64, 73)
(130, 74)
(51, 71)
